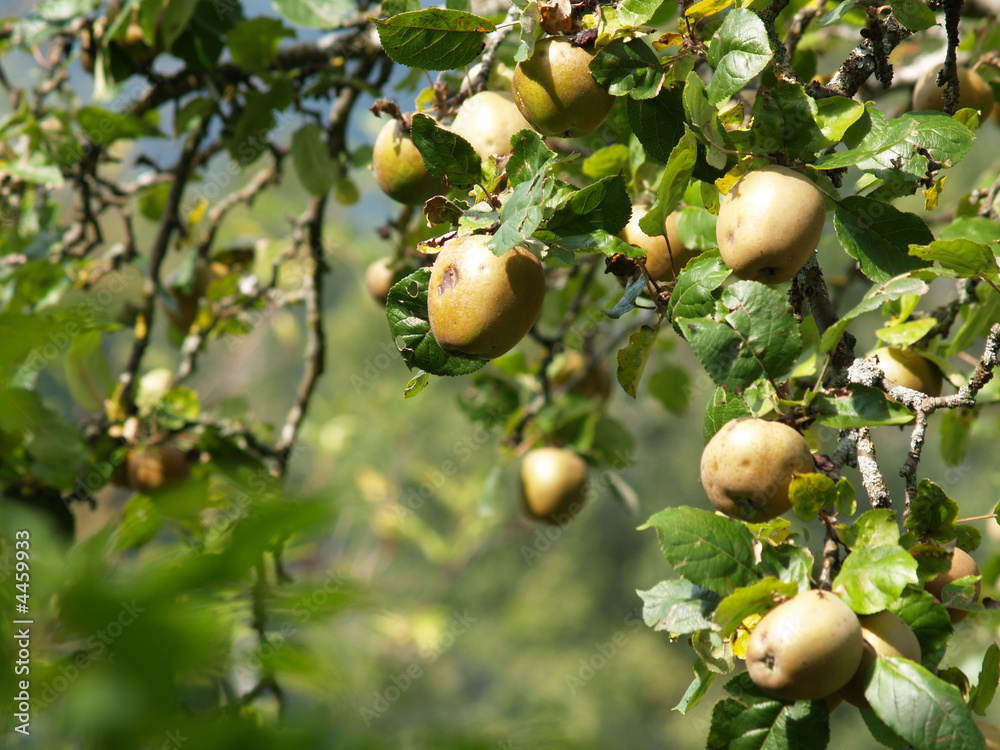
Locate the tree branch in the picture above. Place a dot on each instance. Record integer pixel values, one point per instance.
(168, 223)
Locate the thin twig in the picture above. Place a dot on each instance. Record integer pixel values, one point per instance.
(867, 372)
(168, 223)
(871, 475)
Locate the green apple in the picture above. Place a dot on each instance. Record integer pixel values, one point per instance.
(488, 120)
(399, 167)
(973, 92)
(747, 466)
(480, 305)
(556, 92)
(806, 648)
(770, 224)
(662, 262)
(553, 484)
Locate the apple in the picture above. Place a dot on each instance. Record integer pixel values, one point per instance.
(556, 92)
(155, 466)
(399, 167)
(770, 224)
(991, 733)
(595, 384)
(378, 279)
(908, 369)
(553, 484)
(488, 120)
(480, 305)
(962, 565)
(662, 263)
(973, 92)
(806, 648)
(885, 634)
(747, 466)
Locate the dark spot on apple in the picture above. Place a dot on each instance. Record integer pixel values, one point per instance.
(768, 272)
(448, 280)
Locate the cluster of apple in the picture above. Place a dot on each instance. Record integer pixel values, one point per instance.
(812, 646)
(480, 305)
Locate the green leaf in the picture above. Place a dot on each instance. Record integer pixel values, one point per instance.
(695, 294)
(312, 161)
(715, 651)
(105, 127)
(758, 337)
(607, 161)
(882, 734)
(878, 236)
(709, 550)
(811, 493)
(433, 39)
(406, 311)
(257, 120)
(521, 214)
(633, 356)
(673, 183)
(837, 13)
(932, 513)
(703, 679)
(956, 427)
(784, 119)
(658, 123)
(628, 69)
(696, 228)
(913, 14)
(924, 710)
(755, 599)
(316, 14)
(416, 384)
(834, 116)
(874, 528)
(982, 694)
(904, 334)
(88, 375)
(973, 228)
(874, 577)
(603, 205)
(596, 241)
(678, 607)
(874, 298)
(753, 720)
(253, 43)
(724, 407)
(790, 563)
(446, 154)
(964, 258)
(928, 620)
(739, 51)
(529, 157)
(898, 150)
(140, 522)
(637, 12)
(859, 406)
